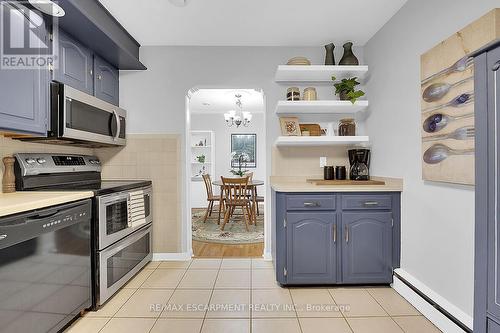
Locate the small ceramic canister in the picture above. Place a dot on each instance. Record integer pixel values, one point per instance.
(293, 94)
(310, 94)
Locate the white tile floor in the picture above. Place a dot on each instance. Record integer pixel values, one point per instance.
(241, 295)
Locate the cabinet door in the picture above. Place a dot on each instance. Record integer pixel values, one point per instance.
(493, 327)
(75, 64)
(311, 248)
(24, 93)
(106, 81)
(367, 247)
(493, 306)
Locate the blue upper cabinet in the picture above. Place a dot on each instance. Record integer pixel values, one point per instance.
(311, 247)
(367, 247)
(106, 81)
(75, 65)
(24, 93)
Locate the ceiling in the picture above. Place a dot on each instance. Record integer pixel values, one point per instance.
(223, 100)
(252, 23)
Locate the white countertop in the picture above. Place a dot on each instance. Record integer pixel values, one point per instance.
(18, 202)
(299, 184)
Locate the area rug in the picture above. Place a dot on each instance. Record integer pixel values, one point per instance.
(234, 231)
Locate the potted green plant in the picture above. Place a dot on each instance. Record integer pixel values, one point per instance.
(242, 158)
(346, 89)
(201, 158)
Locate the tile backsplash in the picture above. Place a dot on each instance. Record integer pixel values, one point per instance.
(155, 157)
(146, 156)
(304, 161)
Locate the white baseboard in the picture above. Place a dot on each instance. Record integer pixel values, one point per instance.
(183, 256)
(436, 317)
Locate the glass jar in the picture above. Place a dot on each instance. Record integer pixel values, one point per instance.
(347, 127)
(293, 94)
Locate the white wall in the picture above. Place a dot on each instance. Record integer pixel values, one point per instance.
(437, 219)
(216, 123)
(155, 98)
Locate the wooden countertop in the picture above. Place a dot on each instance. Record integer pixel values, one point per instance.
(300, 184)
(18, 202)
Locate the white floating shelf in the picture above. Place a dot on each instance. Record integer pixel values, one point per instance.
(323, 107)
(318, 73)
(201, 146)
(199, 163)
(321, 140)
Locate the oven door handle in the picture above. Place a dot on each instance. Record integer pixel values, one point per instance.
(112, 199)
(118, 125)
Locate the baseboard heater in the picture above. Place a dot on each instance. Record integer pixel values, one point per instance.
(434, 304)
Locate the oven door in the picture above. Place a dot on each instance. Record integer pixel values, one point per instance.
(123, 213)
(87, 118)
(114, 219)
(121, 261)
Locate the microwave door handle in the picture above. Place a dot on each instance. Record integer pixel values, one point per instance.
(118, 125)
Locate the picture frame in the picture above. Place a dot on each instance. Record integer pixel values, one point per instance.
(244, 143)
(290, 126)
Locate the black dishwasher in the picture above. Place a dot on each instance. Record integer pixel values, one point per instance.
(45, 268)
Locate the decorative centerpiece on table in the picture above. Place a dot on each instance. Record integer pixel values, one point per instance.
(242, 159)
(346, 89)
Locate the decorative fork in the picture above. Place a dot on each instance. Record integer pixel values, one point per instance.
(463, 133)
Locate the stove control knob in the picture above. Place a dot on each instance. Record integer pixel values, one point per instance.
(41, 161)
(30, 161)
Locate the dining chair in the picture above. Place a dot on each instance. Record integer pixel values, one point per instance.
(255, 197)
(235, 195)
(211, 198)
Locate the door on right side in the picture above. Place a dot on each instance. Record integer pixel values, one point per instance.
(367, 247)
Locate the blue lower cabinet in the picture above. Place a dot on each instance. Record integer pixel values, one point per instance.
(333, 243)
(311, 247)
(367, 247)
(493, 327)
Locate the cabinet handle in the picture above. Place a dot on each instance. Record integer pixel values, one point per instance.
(346, 229)
(91, 72)
(371, 203)
(312, 204)
(334, 233)
(99, 77)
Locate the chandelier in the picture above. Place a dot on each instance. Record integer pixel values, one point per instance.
(239, 117)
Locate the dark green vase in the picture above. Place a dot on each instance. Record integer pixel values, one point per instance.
(348, 58)
(329, 58)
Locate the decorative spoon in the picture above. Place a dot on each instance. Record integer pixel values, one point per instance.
(460, 100)
(460, 66)
(439, 152)
(438, 121)
(462, 133)
(436, 91)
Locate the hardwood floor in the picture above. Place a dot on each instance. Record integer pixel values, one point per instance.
(217, 250)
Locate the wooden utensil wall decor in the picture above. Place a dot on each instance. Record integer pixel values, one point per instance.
(447, 102)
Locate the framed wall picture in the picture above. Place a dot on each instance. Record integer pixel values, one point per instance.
(290, 126)
(246, 145)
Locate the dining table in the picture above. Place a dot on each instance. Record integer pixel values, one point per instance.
(252, 186)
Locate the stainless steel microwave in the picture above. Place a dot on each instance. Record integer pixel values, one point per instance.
(84, 120)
